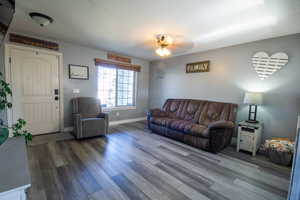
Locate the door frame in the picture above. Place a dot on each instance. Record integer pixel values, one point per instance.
(7, 48)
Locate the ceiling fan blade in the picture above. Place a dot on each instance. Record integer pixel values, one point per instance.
(181, 47)
(180, 44)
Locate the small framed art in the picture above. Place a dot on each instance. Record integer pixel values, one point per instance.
(78, 72)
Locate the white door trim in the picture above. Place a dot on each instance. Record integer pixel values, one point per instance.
(7, 56)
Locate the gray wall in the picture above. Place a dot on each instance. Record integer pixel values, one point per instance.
(231, 75)
(75, 54)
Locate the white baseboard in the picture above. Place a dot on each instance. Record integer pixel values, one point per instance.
(68, 129)
(113, 123)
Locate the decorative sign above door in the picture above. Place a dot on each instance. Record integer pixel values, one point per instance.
(266, 65)
(202, 66)
(119, 58)
(33, 42)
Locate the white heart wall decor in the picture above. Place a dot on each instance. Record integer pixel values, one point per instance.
(266, 65)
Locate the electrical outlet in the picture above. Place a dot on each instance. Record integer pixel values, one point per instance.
(117, 114)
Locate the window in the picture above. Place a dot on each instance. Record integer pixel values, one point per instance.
(116, 87)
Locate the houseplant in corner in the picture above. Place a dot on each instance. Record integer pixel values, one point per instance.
(17, 128)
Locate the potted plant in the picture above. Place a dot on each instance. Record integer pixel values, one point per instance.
(17, 128)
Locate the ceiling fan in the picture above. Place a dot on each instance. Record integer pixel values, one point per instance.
(164, 45)
(163, 42)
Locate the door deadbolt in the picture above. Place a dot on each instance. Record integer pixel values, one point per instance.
(56, 91)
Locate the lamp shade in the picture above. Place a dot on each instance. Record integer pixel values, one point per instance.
(253, 98)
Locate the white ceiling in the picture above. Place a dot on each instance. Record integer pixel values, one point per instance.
(126, 26)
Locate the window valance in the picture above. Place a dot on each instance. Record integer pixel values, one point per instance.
(125, 66)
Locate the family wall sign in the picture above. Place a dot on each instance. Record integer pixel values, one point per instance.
(198, 67)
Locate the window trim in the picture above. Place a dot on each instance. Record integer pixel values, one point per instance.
(135, 91)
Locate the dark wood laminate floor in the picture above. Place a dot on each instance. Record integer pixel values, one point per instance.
(132, 164)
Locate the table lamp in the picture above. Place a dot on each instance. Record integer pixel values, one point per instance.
(253, 99)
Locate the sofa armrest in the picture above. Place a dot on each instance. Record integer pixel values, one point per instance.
(222, 124)
(76, 117)
(156, 112)
(220, 135)
(103, 115)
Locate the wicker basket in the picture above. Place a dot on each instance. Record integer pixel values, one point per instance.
(280, 157)
(279, 150)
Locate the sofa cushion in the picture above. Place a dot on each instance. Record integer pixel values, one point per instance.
(189, 128)
(175, 107)
(180, 125)
(215, 111)
(192, 110)
(163, 121)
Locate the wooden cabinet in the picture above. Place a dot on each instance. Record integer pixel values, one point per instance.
(14, 170)
(249, 137)
(18, 194)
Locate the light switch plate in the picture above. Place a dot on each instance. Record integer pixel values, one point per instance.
(76, 91)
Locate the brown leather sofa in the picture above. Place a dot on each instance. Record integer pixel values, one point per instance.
(203, 124)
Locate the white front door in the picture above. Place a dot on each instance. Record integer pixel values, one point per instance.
(35, 87)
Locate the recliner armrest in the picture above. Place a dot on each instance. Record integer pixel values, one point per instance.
(77, 125)
(106, 118)
(76, 116)
(156, 112)
(221, 124)
(103, 115)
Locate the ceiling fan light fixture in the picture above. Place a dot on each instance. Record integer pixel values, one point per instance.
(163, 41)
(163, 51)
(41, 19)
(169, 40)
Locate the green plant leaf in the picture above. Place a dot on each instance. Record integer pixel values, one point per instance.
(17, 128)
(3, 135)
(9, 105)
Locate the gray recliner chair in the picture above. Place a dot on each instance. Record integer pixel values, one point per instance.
(88, 118)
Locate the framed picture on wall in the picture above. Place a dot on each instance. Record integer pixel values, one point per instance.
(78, 72)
